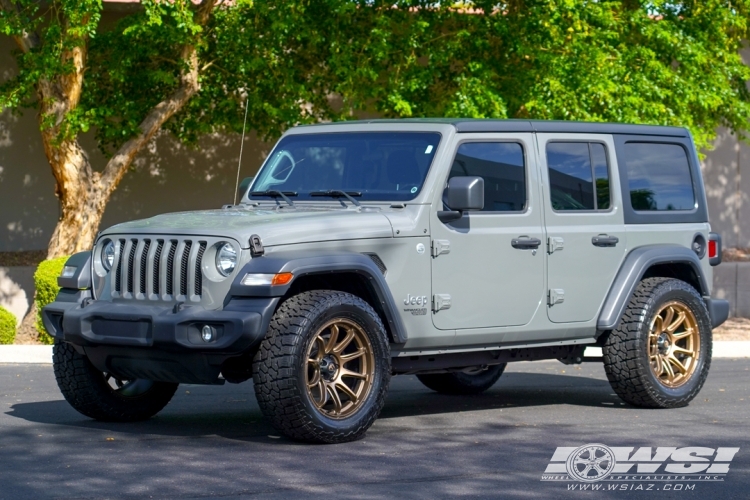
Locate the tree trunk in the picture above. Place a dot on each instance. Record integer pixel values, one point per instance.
(82, 199)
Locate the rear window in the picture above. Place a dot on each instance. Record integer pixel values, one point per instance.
(658, 177)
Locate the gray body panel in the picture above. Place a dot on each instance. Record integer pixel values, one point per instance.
(497, 294)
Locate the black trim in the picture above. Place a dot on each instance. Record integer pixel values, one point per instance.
(715, 261)
(303, 264)
(718, 311)
(697, 215)
(632, 271)
(81, 280)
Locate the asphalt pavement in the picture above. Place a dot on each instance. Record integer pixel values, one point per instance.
(212, 442)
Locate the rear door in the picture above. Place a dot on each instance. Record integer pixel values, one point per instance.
(586, 238)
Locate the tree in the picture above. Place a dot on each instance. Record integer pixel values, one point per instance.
(191, 68)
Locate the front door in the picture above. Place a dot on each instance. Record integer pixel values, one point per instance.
(586, 239)
(488, 267)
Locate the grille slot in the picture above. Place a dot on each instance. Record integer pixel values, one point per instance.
(118, 267)
(144, 261)
(170, 266)
(198, 264)
(184, 267)
(131, 261)
(157, 266)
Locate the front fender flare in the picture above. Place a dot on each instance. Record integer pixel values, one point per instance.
(304, 264)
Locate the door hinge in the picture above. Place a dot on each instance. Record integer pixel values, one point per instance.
(440, 247)
(441, 301)
(555, 296)
(554, 243)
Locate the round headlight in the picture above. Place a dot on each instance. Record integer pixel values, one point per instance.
(108, 255)
(226, 259)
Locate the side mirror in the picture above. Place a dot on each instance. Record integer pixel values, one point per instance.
(463, 194)
(244, 186)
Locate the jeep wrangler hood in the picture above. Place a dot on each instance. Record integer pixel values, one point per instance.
(275, 227)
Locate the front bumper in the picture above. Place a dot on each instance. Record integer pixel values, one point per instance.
(158, 342)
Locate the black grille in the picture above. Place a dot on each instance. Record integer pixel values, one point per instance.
(374, 257)
(131, 260)
(170, 267)
(144, 260)
(198, 273)
(183, 274)
(184, 267)
(157, 265)
(118, 269)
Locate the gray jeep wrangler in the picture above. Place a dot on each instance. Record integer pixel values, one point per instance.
(441, 248)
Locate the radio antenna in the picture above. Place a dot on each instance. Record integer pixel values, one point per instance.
(242, 144)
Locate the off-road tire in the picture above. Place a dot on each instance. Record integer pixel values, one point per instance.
(459, 383)
(625, 350)
(279, 374)
(86, 389)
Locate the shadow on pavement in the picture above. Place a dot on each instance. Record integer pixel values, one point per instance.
(408, 398)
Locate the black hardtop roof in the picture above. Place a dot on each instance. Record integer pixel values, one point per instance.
(478, 125)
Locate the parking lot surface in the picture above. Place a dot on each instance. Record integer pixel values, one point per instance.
(212, 442)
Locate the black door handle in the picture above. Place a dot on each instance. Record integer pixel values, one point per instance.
(525, 243)
(604, 240)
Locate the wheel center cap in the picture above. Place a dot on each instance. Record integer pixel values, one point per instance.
(663, 343)
(328, 368)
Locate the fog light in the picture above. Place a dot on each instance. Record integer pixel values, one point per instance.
(208, 333)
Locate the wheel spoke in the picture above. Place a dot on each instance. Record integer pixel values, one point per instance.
(671, 327)
(345, 358)
(323, 394)
(677, 363)
(681, 335)
(344, 343)
(680, 350)
(335, 398)
(346, 390)
(315, 379)
(668, 369)
(668, 318)
(332, 339)
(658, 327)
(349, 373)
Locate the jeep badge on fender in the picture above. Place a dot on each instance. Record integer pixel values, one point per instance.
(534, 239)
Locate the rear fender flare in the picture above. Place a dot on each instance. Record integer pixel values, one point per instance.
(631, 272)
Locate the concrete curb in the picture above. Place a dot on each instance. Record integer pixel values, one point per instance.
(42, 354)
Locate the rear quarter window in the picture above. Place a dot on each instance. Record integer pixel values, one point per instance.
(659, 177)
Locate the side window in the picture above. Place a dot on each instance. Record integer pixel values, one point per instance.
(658, 177)
(502, 166)
(578, 176)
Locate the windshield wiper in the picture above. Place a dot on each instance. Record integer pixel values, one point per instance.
(337, 193)
(273, 193)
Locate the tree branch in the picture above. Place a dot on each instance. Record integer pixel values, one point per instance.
(26, 41)
(189, 86)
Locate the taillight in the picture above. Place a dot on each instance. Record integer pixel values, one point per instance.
(713, 249)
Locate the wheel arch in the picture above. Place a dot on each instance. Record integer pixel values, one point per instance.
(345, 271)
(667, 261)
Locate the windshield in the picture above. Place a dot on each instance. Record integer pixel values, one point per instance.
(375, 166)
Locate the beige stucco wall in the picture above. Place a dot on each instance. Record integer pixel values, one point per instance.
(167, 177)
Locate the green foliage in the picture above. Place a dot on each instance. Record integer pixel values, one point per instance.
(45, 280)
(7, 327)
(300, 61)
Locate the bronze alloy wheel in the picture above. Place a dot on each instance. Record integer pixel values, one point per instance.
(674, 344)
(340, 368)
